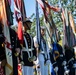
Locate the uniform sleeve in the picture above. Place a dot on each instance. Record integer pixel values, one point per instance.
(14, 40)
(2, 49)
(17, 40)
(1, 38)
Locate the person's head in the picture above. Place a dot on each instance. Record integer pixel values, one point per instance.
(42, 30)
(27, 25)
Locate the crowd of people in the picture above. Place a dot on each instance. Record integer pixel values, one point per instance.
(47, 61)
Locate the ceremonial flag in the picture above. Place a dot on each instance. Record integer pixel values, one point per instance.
(38, 33)
(23, 11)
(69, 37)
(44, 5)
(20, 17)
(72, 23)
(9, 12)
(9, 2)
(72, 30)
(20, 14)
(48, 18)
(6, 21)
(64, 28)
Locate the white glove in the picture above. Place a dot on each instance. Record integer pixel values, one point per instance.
(56, 69)
(36, 62)
(67, 71)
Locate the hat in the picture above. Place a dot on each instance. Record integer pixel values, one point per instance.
(27, 21)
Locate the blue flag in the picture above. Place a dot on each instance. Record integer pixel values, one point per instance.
(38, 33)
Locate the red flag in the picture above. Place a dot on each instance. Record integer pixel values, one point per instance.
(20, 32)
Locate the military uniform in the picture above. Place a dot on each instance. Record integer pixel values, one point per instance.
(28, 54)
(69, 54)
(14, 44)
(54, 63)
(2, 51)
(43, 56)
(60, 58)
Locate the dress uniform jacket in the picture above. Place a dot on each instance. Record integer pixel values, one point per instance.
(24, 53)
(60, 58)
(2, 50)
(14, 44)
(54, 63)
(69, 54)
(44, 50)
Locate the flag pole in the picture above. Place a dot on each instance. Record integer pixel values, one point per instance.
(38, 33)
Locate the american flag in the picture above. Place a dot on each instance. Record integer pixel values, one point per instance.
(20, 17)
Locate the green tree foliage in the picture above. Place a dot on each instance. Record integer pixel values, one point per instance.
(70, 4)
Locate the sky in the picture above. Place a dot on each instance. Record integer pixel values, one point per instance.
(30, 7)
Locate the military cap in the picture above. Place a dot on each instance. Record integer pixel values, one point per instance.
(27, 21)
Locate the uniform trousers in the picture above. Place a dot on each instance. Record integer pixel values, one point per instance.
(43, 67)
(27, 70)
(52, 72)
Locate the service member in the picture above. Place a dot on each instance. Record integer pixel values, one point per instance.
(43, 53)
(69, 54)
(28, 51)
(16, 47)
